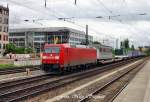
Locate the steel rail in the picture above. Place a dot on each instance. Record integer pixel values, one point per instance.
(33, 90)
(110, 82)
(18, 69)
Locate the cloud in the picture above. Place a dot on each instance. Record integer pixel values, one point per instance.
(125, 22)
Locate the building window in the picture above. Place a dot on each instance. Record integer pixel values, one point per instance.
(1, 11)
(17, 34)
(5, 29)
(0, 19)
(7, 12)
(5, 20)
(4, 38)
(0, 28)
(4, 46)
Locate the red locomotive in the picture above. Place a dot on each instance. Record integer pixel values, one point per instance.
(60, 57)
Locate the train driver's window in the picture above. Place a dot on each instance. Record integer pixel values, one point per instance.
(52, 50)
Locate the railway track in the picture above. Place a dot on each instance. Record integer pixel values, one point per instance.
(22, 89)
(89, 97)
(18, 69)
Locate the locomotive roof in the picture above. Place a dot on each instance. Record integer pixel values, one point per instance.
(68, 45)
(80, 46)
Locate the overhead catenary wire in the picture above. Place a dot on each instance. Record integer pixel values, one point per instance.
(32, 8)
(56, 14)
(110, 11)
(80, 25)
(102, 4)
(120, 21)
(131, 28)
(83, 26)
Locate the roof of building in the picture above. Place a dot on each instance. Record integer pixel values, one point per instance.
(146, 46)
(101, 45)
(5, 8)
(46, 29)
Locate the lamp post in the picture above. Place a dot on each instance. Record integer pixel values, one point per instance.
(75, 2)
(45, 3)
(86, 36)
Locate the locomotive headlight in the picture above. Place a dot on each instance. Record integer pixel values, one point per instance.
(57, 57)
(41, 54)
(44, 57)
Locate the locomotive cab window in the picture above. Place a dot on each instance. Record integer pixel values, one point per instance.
(52, 50)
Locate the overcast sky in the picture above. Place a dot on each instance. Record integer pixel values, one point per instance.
(126, 19)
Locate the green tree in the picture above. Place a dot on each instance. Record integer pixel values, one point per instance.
(10, 48)
(29, 50)
(20, 50)
(17, 50)
(96, 42)
(126, 44)
(118, 51)
(122, 44)
(147, 52)
(113, 51)
(132, 47)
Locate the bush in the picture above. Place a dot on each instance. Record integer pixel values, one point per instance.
(147, 52)
(11, 48)
(29, 50)
(19, 50)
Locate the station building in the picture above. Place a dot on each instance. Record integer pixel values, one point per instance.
(37, 37)
(4, 24)
(145, 48)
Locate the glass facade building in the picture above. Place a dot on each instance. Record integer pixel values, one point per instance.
(37, 37)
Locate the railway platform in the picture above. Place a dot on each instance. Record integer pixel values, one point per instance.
(138, 90)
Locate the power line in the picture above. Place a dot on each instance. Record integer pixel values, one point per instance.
(110, 11)
(107, 16)
(102, 4)
(31, 8)
(120, 21)
(56, 14)
(124, 1)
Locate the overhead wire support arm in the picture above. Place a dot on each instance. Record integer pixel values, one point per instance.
(75, 2)
(66, 19)
(45, 3)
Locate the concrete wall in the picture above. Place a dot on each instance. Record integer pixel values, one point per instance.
(6, 61)
(27, 62)
(21, 62)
